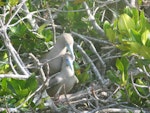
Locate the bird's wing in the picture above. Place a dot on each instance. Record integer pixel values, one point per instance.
(54, 81)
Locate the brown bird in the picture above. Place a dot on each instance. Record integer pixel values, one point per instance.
(63, 80)
(53, 58)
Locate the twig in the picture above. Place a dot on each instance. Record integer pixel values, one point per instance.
(75, 110)
(19, 7)
(118, 110)
(93, 21)
(12, 50)
(108, 106)
(12, 110)
(53, 25)
(132, 4)
(144, 68)
(15, 76)
(98, 75)
(134, 86)
(104, 42)
(93, 50)
(30, 18)
(40, 89)
(39, 66)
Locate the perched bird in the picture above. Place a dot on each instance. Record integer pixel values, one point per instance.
(63, 80)
(53, 58)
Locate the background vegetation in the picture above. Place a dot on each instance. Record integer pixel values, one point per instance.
(112, 49)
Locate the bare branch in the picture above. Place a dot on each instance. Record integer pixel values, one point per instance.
(98, 75)
(15, 76)
(13, 52)
(19, 7)
(93, 21)
(30, 18)
(92, 47)
(138, 93)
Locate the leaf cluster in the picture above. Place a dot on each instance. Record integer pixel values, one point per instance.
(130, 32)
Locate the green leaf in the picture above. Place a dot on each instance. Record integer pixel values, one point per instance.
(112, 76)
(135, 15)
(41, 28)
(146, 38)
(125, 23)
(123, 78)
(20, 30)
(144, 24)
(106, 25)
(4, 87)
(76, 65)
(31, 83)
(13, 2)
(4, 84)
(110, 33)
(4, 67)
(119, 65)
(138, 49)
(83, 75)
(136, 36)
(3, 3)
(16, 86)
(128, 11)
(46, 34)
(125, 63)
(22, 93)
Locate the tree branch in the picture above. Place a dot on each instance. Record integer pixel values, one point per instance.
(93, 21)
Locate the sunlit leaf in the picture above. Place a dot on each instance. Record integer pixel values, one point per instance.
(125, 23)
(128, 11)
(119, 65)
(139, 49)
(45, 34)
(110, 33)
(2, 3)
(135, 15)
(20, 30)
(13, 2)
(136, 36)
(41, 28)
(4, 84)
(146, 38)
(125, 63)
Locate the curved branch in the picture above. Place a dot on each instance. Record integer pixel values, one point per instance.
(98, 75)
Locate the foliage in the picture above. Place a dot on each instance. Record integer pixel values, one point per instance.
(16, 90)
(130, 32)
(124, 80)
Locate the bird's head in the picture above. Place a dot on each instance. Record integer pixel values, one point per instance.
(66, 40)
(69, 43)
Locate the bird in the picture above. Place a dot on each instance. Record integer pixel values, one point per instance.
(63, 80)
(53, 58)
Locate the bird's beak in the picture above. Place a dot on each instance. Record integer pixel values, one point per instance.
(71, 51)
(70, 64)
